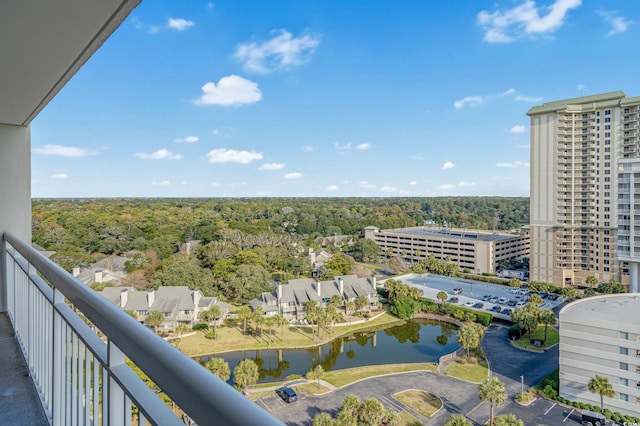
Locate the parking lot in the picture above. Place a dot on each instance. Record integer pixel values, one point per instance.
(498, 299)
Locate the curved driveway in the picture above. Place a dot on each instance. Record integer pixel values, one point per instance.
(459, 397)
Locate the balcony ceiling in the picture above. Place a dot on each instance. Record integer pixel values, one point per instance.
(42, 45)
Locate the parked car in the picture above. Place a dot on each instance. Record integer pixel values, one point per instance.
(287, 394)
(486, 297)
(478, 305)
(453, 300)
(496, 309)
(512, 302)
(457, 290)
(514, 290)
(503, 300)
(520, 304)
(468, 304)
(506, 311)
(494, 299)
(596, 419)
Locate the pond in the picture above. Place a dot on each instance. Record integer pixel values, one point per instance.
(415, 341)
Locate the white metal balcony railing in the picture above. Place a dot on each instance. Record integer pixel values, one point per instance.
(83, 379)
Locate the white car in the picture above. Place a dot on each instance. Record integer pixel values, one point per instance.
(514, 290)
(520, 304)
(503, 300)
(469, 304)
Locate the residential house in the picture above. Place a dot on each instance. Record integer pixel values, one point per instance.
(178, 304)
(108, 270)
(290, 299)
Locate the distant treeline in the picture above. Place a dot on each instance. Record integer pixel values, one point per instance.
(270, 233)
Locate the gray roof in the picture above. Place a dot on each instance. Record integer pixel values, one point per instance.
(455, 234)
(169, 299)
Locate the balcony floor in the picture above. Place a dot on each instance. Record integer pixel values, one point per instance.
(19, 402)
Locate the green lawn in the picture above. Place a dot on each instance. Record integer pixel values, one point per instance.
(311, 388)
(233, 339)
(344, 377)
(406, 419)
(475, 373)
(553, 337)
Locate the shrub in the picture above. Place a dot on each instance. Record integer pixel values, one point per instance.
(608, 413)
(199, 326)
(549, 392)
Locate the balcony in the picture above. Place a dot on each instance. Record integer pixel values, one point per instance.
(82, 378)
(54, 366)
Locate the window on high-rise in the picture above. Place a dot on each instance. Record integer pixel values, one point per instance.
(607, 112)
(607, 127)
(607, 119)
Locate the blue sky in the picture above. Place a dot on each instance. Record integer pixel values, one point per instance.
(326, 98)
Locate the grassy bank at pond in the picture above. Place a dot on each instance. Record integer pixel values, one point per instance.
(233, 339)
(474, 372)
(553, 337)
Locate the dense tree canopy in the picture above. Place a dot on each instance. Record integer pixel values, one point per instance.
(233, 247)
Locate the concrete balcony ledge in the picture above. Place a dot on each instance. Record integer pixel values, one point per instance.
(19, 402)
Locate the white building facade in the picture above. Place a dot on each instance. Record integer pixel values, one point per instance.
(601, 335)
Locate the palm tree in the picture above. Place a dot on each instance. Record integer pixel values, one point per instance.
(246, 374)
(592, 281)
(492, 389)
(469, 337)
(362, 301)
(371, 412)
(213, 315)
(219, 367)
(602, 387)
(312, 310)
(457, 420)
(244, 313)
(181, 329)
(546, 317)
(280, 321)
(269, 322)
(391, 417)
(258, 318)
(351, 405)
(508, 420)
(442, 297)
(350, 306)
(345, 419)
(323, 419)
(154, 319)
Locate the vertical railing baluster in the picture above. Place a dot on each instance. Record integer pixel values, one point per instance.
(116, 394)
(57, 384)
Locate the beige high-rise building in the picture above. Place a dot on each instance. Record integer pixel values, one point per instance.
(578, 146)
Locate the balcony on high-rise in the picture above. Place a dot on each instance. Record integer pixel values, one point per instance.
(67, 355)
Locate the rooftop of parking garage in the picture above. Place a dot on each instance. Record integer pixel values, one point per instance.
(461, 234)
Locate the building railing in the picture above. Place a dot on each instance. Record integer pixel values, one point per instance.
(83, 378)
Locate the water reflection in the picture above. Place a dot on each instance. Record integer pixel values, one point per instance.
(415, 341)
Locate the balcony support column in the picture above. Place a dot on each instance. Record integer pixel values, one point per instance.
(15, 191)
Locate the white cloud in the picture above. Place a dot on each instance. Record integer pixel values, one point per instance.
(387, 188)
(448, 165)
(293, 175)
(230, 90)
(282, 52)
(161, 183)
(60, 176)
(514, 164)
(308, 148)
(333, 188)
(363, 146)
(526, 19)
(224, 155)
(179, 24)
(215, 132)
(447, 186)
(367, 185)
(464, 184)
(161, 154)
(528, 98)
(271, 166)
(344, 147)
(469, 101)
(64, 151)
(413, 183)
(619, 24)
(518, 129)
(508, 92)
(188, 139)
(215, 184)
